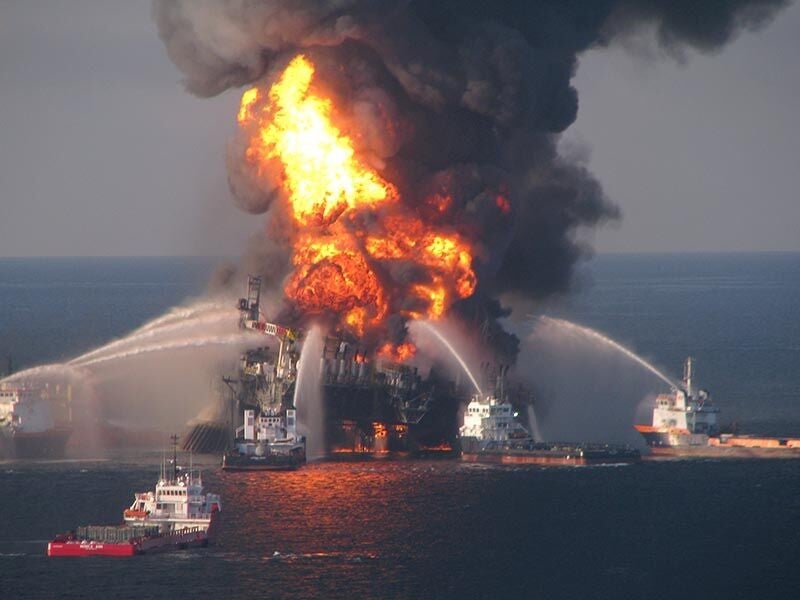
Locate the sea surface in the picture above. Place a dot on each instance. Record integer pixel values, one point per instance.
(442, 529)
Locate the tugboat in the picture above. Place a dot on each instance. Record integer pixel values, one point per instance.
(686, 424)
(174, 516)
(490, 433)
(268, 439)
(268, 442)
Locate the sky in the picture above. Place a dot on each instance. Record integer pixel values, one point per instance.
(102, 151)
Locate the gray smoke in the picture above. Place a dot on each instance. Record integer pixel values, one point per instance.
(459, 97)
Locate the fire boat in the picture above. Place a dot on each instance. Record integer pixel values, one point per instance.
(491, 433)
(686, 423)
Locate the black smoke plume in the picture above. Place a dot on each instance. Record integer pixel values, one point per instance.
(464, 97)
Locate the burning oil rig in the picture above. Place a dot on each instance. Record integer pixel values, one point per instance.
(371, 404)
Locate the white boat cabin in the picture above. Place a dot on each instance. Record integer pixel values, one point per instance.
(490, 420)
(178, 501)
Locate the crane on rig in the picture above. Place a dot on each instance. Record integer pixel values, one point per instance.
(263, 394)
(250, 317)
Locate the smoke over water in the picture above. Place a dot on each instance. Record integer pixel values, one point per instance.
(446, 189)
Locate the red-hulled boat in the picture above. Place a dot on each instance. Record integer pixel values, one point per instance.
(174, 516)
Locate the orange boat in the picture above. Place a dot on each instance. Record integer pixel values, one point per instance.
(686, 424)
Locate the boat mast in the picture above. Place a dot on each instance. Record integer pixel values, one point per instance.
(174, 439)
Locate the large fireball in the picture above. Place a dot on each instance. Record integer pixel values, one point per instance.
(342, 266)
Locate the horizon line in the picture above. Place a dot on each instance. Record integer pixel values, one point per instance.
(588, 257)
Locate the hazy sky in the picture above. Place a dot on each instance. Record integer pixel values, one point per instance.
(104, 153)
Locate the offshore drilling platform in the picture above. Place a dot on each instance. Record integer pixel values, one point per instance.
(370, 403)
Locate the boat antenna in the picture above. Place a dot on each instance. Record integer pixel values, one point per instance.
(174, 439)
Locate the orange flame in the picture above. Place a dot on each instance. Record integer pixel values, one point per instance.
(446, 256)
(331, 274)
(323, 176)
(339, 267)
(397, 353)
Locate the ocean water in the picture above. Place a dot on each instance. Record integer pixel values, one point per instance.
(442, 529)
(53, 309)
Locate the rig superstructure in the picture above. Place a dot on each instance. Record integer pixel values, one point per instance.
(263, 394)
(371, 404)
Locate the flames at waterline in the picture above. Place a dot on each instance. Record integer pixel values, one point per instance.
(352, 232)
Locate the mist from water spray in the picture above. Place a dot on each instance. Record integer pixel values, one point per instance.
(533, 423)
(308, 397)
(182, 313)
(155, 376)
(429, 327)
(576, 329)
(145, 334)
(59, 370)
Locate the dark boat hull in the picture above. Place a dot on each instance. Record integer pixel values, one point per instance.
(516, 453)
(49, 444)
(238, 462)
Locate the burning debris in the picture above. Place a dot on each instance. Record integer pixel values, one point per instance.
(405, 151)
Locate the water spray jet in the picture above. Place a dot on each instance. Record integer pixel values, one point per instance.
(429, 327)
(164, 328)
(596, 336)
(308, 395)
(227, 340)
